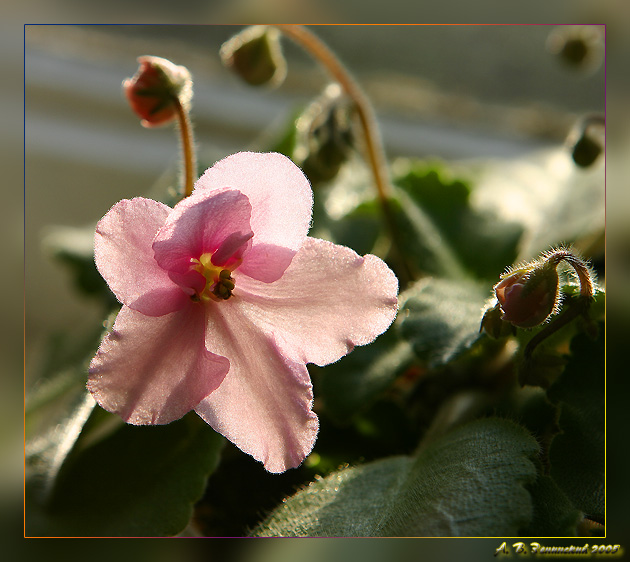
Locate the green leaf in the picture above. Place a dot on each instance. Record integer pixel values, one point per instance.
(549, 358)
(554, 514)
(357, 380)
(441, 318)
(442, 229)
(577, 454)
(469, 482)
(554, 200)
(137, 481)
(46, 453)
(74, 248)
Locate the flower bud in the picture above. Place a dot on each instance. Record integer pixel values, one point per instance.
(324, 135)
(586, 139)
(578, 46)
(156, 88)
(528, 296)
(585, 151)
(256, 56)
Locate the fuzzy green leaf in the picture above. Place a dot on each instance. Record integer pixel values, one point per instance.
(554, 514)
(577, 454)
(469, 482)
(554, 200)
(354, 382)
(441, 318)
(158, 474)
(442, 229)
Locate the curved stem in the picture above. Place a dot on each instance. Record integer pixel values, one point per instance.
(593, 119)
(374, 146)
(327, 58)
(188, 149)
(583, 272)
(577, 307)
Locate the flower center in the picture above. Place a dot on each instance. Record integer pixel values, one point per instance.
(219, 280)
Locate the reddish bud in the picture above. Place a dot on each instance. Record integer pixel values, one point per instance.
(528, 296)
(156, 89)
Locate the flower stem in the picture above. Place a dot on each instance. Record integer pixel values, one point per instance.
(374, 146)
(327, 58)
(188, 149)
(577, 307)
(583, 272)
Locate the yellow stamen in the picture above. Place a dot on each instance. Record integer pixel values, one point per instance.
(219, 280)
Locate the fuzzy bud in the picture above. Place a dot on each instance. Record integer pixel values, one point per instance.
(156, 88)
(324, 135)
(578, 46)
(586, 140)
(585, 151)
(256, 56)
(528, 296)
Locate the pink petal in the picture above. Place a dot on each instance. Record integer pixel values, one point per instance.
(264, 404)
(281, 200)
(154, 370)
(203, 222)
(328, 300)
(124, 257)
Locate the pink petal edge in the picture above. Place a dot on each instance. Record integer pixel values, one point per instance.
(124, 257)
(264, 405)
(152, 370)
(328, 300)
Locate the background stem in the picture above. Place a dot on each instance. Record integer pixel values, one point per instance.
(373, 144)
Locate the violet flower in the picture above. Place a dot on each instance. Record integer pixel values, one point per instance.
(225, 299)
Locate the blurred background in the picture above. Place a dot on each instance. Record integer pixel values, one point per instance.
(458, 93)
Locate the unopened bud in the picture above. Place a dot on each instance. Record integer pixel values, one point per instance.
(578, 46)
(156, 88)
(586, 140)
(528, 296)
(324, 135)
(585, 151)
(256, 56)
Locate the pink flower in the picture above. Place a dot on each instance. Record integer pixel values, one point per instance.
(225, 299)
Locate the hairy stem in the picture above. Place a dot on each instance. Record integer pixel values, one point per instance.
(188, 149)
(583, 272)
(577, 307)
(374, 146)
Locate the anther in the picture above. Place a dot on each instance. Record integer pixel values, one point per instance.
(225, 285)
